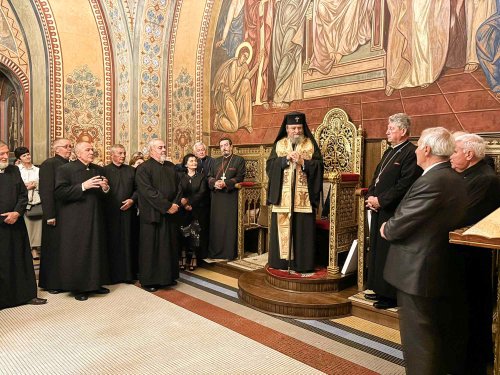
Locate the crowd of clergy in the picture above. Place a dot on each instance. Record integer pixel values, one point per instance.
(149, 219)
(120, 223)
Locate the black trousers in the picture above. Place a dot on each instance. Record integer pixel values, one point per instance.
(433, 334)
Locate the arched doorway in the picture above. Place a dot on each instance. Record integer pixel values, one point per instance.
(12, 122)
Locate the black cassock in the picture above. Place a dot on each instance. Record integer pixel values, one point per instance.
(83, 259)
(224, 206)
(17, 276)
(303, 224)
(483, 197)
(49, 268)
(195, 190)
(157, 185)
(395, 173)
(121, 226)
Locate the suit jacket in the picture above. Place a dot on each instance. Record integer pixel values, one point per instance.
(420, 261)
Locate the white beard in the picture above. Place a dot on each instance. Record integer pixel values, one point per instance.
(163, 158)
(4, 165)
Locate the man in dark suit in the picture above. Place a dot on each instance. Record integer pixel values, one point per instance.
(420, 263)
(49, 268)
(393, 176)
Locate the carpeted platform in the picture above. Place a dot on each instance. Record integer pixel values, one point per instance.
(251, 262)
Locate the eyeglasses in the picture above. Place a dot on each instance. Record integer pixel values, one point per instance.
(66, 147)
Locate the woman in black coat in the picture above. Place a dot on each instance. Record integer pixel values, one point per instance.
(194, 214)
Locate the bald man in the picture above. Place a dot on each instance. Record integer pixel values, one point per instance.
(80, 189)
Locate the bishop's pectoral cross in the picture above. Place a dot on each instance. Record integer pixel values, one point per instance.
(223, 178)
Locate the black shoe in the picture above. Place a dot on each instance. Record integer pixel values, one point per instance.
(102, 290)
(372, 296)
(37, 301)
(385, 304)
(172, 283)
(82, 297)
(150, 288)
(54, 291)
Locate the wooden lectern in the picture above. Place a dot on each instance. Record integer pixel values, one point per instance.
(486, 234)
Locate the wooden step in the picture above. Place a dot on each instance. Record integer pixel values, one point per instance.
(331, 283)
(364, 309)
(256, 291)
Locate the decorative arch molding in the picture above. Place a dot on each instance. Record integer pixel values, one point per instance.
(122, 49)
(152, 50)
(17, 72)
(56, 113)
(107, 53)
(200, 68)
(170, 79)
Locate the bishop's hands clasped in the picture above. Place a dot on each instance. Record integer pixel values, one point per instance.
(219, 185)
(295, 157)
(372, 203)
(96, 182)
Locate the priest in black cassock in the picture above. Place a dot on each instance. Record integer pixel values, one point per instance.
(120, 214)
(157, 187)
(483, 186)
(83, 259)
(49, 267)
(295, 171)
(17, 280)
(394, 175)
(225, 173)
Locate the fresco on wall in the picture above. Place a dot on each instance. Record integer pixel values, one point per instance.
(83, 108)
(305, 49)
(6, 38)
(488, 49)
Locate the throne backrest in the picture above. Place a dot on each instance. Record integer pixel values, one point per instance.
(340, 142)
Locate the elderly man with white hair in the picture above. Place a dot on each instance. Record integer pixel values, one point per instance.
(82, 257)
(482, 198)
(157, 187)
(420, 263)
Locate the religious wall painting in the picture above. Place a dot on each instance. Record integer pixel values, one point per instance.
(488, 50)
(83, 108)
(183, 115)
(6, 38)
(232, 94)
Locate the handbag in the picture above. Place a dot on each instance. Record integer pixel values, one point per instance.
(35, 211)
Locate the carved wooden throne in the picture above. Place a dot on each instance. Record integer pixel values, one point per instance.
(341, 146)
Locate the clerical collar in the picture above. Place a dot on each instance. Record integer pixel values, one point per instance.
(400, 145)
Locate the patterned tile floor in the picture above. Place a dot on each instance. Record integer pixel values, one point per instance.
(198, 326)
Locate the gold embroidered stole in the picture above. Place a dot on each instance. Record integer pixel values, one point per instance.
(301, 193)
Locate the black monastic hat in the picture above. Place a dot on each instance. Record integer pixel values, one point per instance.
(295, 118)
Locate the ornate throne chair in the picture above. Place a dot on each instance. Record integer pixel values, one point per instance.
(341, 143)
